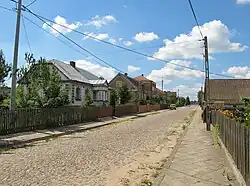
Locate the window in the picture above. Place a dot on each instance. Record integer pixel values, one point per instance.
(103, 95)
(118, 83)
(78, 94)
(95, 95)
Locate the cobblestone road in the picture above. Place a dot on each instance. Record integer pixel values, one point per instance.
(87, 158)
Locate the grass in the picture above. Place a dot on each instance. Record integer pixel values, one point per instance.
(215, 133)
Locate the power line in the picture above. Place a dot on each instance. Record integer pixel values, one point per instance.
(195, 17)
(118, 46)
(121, 47)
(5, 8)
(26, 35)
(80, 52)
(31, 3)
(92, 54)
(69, 40)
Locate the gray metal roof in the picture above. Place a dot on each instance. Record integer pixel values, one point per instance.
(87, 74)
(76, 74)
(97, 82)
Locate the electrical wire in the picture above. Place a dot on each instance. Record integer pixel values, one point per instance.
(195, 17)
(26, 35)
(87, 51)
(62, 41)
(9, 9)
(121, 47)
(31, 3)
(118, 46)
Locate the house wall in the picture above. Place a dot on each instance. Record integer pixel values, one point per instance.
(102, 93)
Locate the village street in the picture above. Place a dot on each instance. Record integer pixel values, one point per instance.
(120, 154)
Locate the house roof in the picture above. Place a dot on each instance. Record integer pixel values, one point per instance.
(159, 91)
(141, 78)
(231, 91)
(76, 74)
(132, 80)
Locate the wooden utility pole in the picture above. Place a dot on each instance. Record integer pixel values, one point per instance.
(207, 90)
(15, 58)
(162, 86)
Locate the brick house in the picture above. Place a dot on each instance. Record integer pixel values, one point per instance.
(133, 85)
(148, 86)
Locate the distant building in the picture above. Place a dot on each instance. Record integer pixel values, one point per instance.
(147, 86)
(133, 85)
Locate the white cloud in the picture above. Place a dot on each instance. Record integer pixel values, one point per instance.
(188, 90)
(171, 71)
(97, 36)
(239, 71)
(133, 68)
(112, 40)
(243, 1)
(98, 21)
(186, 46)
(61, 21)
(106, 72)
(128, 43)
(146, 36)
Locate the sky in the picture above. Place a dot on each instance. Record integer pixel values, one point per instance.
(162, 29)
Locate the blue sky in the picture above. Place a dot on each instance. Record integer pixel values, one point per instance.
(164, 29)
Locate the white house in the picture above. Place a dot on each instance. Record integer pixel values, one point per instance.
(76, 80)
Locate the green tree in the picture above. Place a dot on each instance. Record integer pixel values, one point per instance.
(87, 98)
(40, 85)
(199, 96)
(187, 100)
(113, 98)
(4, 73)
(124, 94)
(181, 102)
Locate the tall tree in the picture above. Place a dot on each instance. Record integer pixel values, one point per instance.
(4, 73)
(200, 97)
(40, 84)
(87, 98)
(113, 98)
(124, 94)
(187, 100)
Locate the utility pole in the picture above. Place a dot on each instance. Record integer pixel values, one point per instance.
(207, 91)
(162, 87)
(15, 58)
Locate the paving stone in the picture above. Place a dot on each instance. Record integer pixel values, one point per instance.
(197, 161)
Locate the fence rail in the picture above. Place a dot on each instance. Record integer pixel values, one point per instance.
(236, 138)
(20, 120)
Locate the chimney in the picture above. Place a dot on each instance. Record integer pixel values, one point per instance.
(126, 74)
(142, 74)
(73, 64)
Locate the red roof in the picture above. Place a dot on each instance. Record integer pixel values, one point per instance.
(141, 78)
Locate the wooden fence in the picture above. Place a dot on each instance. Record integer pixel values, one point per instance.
(31, 119)
(236, 138)
(20, 120)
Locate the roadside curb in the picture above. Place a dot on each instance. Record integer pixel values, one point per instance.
(231, 162)
(8, 144)
(159, 179)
